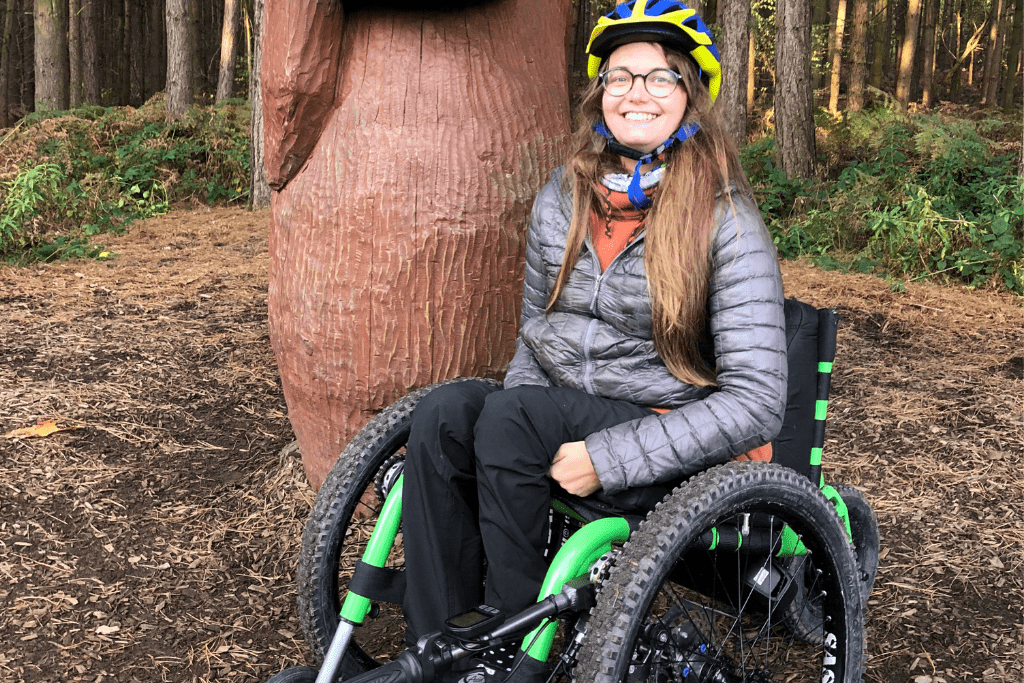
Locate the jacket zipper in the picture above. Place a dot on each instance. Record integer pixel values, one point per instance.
(591, 331)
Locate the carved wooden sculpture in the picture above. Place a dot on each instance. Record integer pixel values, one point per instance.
(405, 150)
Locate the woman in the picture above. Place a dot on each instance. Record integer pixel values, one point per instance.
(651, 344)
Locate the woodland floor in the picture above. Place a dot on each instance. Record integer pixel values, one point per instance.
(155, 538)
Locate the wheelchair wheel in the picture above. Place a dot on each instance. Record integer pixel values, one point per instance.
(683, 603)
(804, 617)
(294, 674)
(336, 533)
(866, 542)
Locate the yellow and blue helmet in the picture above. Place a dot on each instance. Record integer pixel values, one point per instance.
(668, 22)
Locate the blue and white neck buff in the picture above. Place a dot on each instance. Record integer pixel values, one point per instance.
(619, 182)
(635, 191)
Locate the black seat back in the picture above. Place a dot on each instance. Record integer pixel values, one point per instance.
(807, 330)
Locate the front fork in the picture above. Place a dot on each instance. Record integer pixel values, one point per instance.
(572, 560)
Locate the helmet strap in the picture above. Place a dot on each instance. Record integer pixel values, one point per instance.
(636, 195)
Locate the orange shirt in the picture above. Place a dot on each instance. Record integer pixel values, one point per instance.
(620, 225)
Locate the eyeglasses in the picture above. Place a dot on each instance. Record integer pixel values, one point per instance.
(659, 82)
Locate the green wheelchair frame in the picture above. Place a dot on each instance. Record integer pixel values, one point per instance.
(566, 584)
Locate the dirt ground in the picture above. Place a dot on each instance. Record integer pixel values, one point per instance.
(154, 538)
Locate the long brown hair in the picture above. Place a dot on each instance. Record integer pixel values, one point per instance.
(679, 225)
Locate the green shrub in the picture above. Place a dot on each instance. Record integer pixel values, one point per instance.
(96, 170)
(908, 198)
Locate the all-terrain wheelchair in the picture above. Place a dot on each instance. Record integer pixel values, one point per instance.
(747, 572)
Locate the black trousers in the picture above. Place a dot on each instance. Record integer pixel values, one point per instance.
(476, 486)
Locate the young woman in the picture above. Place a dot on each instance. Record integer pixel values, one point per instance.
(651, 344)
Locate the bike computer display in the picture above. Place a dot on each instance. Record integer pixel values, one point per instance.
(474, 622)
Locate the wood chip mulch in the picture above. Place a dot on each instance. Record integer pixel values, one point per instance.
(154, 538)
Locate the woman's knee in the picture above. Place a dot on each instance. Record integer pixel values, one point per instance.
(516, 419)
(455, 403)
(444, 419)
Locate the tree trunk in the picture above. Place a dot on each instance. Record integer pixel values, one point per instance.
(1014, 57)
(137, 49)
(156, 45)
(836, 57)
(259, 190)
(74, 54)
(928, 48)
(858, 55)
(228, 40)
(124, 72)
(51, 55)
(944, 53)
(396, 248)
(794, 99)
(906, 69)
(994, 56)
(879, 26)
(197, 51)
(750, 70)
(585, 16)
(6, 69)
(734, 17)
(954, 68)
(179, 57)
(110, 39)
(90, 53)
(26, 51)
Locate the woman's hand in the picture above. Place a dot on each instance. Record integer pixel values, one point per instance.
(573, 470)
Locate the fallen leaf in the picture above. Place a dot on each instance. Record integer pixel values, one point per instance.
(41, 429)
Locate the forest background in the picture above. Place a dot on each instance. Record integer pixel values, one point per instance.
(882, 136)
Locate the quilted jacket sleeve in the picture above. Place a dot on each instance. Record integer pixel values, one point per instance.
(746, 410)
(524, 368)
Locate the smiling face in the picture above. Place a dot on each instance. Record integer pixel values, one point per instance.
(637, 119)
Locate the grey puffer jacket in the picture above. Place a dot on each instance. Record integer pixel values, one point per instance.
(598, 339)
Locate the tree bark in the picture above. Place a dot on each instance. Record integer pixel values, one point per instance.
(156, 46)
(137, 50)
(26, 53)
(953, 72)
(228, 41)
(6, 69)
(90, 53)
(993, 56)
(406, 166)
(836, 56)
(179, 57)
(734, 17)
(858, 55)
(1014, 57)
(928, 48)
(110, 39)
(794, 98)
(259, 190)
(906, 69)
(74, 54)
(879, 25)
(51, 55)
